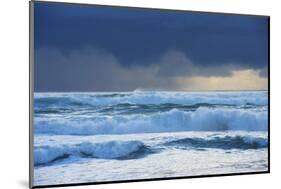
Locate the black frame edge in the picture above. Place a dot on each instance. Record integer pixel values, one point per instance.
(268, 97)
(31, 73)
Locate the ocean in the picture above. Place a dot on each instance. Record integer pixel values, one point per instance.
(112, 136)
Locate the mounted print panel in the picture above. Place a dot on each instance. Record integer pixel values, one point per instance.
(124, 94)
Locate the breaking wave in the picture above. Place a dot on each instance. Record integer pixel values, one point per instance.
(108, 150)
(203, 119)
(125, 150)
(184, 98)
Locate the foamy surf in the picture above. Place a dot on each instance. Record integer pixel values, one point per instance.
(187, 98)
(203, 119)
(125, 150)
(169, 134)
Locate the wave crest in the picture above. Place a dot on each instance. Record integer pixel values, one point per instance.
(227, 142)
(140, 97)
(107, 150)
(203, 119)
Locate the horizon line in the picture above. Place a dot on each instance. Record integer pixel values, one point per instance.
(151, 91)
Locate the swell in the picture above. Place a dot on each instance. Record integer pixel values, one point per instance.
(227, 142)
(203, 119)
(126, 150)
(109, 150)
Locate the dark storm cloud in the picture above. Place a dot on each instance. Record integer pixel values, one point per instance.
(92, 70)
(169, 43)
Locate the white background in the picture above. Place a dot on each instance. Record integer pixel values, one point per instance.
(14, 109)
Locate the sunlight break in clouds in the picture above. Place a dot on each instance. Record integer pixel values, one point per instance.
(239, 80)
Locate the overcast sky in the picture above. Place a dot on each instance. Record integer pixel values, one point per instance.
(90, 48)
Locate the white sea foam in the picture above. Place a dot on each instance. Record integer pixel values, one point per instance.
(96, 99)
(54, 152)
(203, 119)
(169, 161)
(79, 134)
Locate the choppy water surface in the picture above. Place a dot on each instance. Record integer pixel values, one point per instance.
(92, 137)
